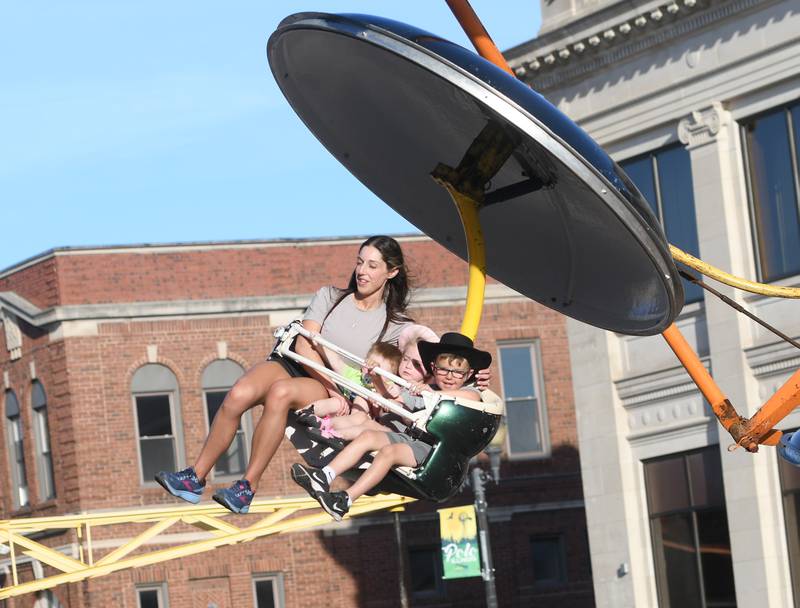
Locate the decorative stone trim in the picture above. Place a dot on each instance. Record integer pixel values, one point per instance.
(702, 127)
(666, 23)
(13, 333)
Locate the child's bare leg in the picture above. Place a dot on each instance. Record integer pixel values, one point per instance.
(390, 455)
(326, 407)
(354, 419)
(353, 452)
(282, 396)
(349, 433)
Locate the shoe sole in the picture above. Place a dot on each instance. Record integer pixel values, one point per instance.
(305, 481)
(182, 494)
(221, 499)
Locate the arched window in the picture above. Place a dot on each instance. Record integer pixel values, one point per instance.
(15, 435)
(157, 407)
(218, 378)
(41, 435)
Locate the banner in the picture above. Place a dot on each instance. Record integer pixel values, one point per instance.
(459, 531)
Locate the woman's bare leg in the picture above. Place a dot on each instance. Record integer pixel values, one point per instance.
(283, 395)
(250, 390)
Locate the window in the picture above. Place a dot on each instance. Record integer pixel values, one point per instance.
(218, 378)
(664, 177)
(157, 409)
(549, 561)
(268, 591)
(152, 596)
(520, 371)
(425, 572)
(689, 527)
(41, 435)
(790, 490)
(771, 144)
(16, 447)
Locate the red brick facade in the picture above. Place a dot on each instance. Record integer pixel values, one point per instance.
(86, 365)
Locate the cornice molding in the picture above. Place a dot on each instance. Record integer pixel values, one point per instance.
(16, 306)
(571, 58)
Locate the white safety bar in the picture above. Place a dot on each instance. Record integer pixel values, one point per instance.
(285, 336)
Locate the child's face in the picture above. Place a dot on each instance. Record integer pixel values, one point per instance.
(450, 374)
(411, 367)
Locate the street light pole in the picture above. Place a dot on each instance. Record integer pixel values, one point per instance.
(479, 478)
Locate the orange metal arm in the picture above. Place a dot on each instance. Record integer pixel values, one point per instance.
(477, 34)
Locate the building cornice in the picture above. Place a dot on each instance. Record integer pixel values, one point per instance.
(160, 248)
(609, 37)
(14, 305)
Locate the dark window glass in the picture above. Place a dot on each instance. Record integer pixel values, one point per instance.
(664, 177)
(667, 489)
(153, 413)
(689, 525)
(790, 489)
(548, 559)
(425, 571)
(233, 461)
(156, 441)
(149, 598)
(265, 594)
(772, 164)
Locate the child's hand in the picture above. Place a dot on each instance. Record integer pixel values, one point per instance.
(344, 405)
(416, 388)
(483, 378)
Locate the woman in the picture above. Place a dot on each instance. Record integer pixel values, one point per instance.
(371, 308)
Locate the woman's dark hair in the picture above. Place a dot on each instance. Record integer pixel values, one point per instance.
(396, 293)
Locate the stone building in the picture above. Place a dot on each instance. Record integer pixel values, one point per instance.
(114, 360)
(699, 100)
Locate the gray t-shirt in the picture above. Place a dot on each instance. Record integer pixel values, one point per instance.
(348, 327)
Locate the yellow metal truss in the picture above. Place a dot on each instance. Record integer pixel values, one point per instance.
(279, 516)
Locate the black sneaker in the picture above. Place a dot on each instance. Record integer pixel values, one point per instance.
(335, 503)
(310, 479)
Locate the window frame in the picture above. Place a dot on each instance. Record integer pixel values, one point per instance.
(792, 130)
(440, 584)
(278, 592)
(659, 568)
(651, 155)
(562, 557)
(46, 483)
(160, 588)
(173, 421)
(537, 374)
(12, 423)
(246, 421)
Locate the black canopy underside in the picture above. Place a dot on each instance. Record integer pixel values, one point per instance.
(566, 226)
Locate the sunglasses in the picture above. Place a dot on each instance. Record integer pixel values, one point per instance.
(456, 373)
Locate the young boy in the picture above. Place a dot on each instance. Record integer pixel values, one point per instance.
(451, 362)
(326, 414)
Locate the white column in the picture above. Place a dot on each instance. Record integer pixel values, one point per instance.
(751, 485)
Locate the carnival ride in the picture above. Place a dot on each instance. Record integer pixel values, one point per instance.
(493, 172)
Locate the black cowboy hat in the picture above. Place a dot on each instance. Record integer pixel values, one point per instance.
(456, 344)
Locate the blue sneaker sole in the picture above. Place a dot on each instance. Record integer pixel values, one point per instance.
(221, 499)
(183, 494)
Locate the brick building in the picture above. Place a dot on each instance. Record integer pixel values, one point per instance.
(113, 360)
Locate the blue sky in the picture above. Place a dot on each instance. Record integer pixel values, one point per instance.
(157, 122)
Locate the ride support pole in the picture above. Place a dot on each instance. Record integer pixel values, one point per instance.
(723, 410)
(477, 34)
